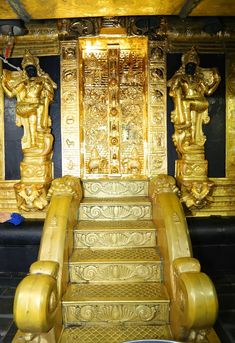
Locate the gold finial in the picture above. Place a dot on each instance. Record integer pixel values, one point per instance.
(190, 56)
(29, 59)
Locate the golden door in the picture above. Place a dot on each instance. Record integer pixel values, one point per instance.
(113, 106)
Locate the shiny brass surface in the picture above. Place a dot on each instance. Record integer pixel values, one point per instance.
(120, 265)
(188, 87)
(113, 106)
(194, 304)
(157, 125)
(61, 9)
(115, 334)
(70, 122)
(223, 204)
(34, 93)
(117, 234)
(37, 310)
(138, 208)
(139, 303)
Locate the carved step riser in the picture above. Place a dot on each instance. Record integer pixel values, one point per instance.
(119, 313)
(114, 239)
(107, 189)
(115, 212)
(116, 272)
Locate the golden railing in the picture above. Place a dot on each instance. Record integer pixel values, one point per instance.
(194, 304)
(37, 304)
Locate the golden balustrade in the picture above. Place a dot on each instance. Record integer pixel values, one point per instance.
(194, 304)
(37, 309)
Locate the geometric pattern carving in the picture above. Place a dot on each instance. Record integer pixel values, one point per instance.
(115, 334)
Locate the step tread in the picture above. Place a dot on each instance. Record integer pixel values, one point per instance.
(93, 225)
(127, 255)
(116, 293)
(115, 334)
(116, 201)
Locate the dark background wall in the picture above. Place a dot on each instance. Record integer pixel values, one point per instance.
(215, 129)
(13, 134)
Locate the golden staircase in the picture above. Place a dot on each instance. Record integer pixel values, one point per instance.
(115, 292)
(103, 279)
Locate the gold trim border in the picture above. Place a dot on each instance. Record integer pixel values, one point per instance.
(70, 138)
(2, 131)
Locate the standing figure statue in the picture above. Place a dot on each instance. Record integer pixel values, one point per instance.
(188, 87)
(34, 91)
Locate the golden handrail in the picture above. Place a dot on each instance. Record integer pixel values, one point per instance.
(194, 304)
(37, 303)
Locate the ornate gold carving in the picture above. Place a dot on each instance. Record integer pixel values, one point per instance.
(117, 313)
(96, 164)
(162, 184)
(230, 110)
(157, 108)
(192, 292)
(114, 111)
(115, 212)
(66, 185)
(115, 272)
(188, 88)
(70, 108)
(114, 239)
(34, 90)
(31, 197)
(115, 188)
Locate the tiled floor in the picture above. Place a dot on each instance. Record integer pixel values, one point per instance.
(8, 283)
(225, 285)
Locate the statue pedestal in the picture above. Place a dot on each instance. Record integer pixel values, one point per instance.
(191, 175)
(36, 176)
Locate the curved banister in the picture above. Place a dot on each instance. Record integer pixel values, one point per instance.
(194, 304)
(37, 303)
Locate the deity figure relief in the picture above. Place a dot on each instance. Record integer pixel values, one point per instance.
(189, 87)
(34, 91)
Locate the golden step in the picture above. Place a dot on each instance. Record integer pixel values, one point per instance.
(140, 303)
(115, 234)
(116, 334)
(129, 208)
(120, 265)
(115, 188)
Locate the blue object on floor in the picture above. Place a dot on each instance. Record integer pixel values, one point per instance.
(15, 219)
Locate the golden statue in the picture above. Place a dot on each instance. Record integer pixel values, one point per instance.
(34, 91)
(189, 87)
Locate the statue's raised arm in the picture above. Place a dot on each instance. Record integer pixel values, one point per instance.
(34, 91)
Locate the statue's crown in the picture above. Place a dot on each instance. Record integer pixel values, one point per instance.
(29, 59)
(190, 56)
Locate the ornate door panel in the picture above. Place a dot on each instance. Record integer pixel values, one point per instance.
(113, 106)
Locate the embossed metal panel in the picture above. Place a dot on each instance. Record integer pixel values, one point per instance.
(113, 106)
